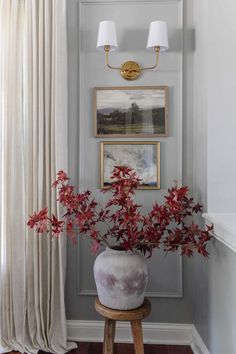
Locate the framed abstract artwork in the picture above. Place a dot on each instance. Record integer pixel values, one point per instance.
(142, 156)
(131, 111)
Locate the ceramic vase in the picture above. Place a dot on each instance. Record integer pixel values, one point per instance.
(121, 279)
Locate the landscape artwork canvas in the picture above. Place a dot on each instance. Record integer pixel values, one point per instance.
(143, 157)
(130, 111)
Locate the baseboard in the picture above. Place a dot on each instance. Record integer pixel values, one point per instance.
(153, 333)
(197, 344)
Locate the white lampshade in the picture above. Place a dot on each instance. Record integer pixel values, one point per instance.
(107, 35)
(158, 36)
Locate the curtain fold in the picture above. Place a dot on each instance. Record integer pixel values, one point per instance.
(33, 98)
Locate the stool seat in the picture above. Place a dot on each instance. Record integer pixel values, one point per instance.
(134, 316)
(128, 315)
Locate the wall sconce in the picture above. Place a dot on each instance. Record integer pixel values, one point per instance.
(130, 70)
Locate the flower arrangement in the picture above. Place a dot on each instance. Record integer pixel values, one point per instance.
(168, 225)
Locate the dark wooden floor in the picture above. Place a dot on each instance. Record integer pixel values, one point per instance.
(96, 348)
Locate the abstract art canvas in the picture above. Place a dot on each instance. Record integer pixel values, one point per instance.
(143, 157)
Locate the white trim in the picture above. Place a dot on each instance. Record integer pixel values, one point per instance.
(127, 2)
(153, 333)
(224, 229)
(197, 344)
(83, 96)
(180, 95)
(177, 294)
(85, 289)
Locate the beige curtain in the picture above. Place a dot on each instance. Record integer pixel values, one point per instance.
(33, 126)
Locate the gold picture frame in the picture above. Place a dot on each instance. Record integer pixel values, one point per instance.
(142, 156)
(131, 111)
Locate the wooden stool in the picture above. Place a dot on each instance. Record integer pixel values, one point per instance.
(134, 316)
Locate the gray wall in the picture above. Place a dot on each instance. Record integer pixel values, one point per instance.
(209, 289)
(86, 69)
(214, 299)
(212, 283)
(221, 28)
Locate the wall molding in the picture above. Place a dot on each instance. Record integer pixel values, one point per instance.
(224, 228)
(82, 64)
(154, 333)
(87, 289)
(127, 2)
(177, 294)
(197, 344)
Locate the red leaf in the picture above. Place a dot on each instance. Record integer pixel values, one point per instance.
(170, 224)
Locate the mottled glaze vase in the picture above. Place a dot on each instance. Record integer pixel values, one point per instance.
(121, 279)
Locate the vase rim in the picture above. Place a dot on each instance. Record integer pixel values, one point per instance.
(116, 250)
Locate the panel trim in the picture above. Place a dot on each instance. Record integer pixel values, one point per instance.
(180, 98)
(153, 333)
(180, 71)
(128, 2)
(156, 294)
(175, 294)
(82, 97)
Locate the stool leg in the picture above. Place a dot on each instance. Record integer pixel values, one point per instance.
(137, 332)
(109, 335)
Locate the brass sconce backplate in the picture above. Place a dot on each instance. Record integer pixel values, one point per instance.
(130, 70)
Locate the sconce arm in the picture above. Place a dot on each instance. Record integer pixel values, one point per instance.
(107, 49)
(130, 70)
(157, 50)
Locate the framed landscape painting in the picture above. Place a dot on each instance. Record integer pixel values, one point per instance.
(142, 156)
(131, 111)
